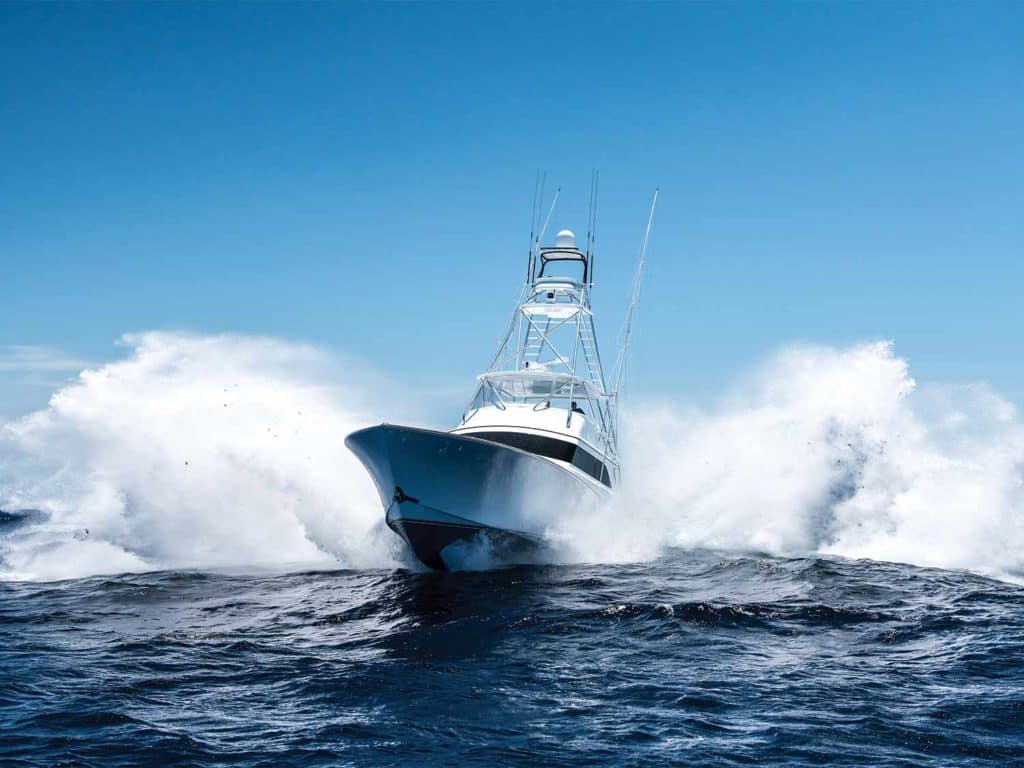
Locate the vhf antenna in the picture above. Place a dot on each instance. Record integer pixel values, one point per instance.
(533, 226)
(551, 210)
(592, 226)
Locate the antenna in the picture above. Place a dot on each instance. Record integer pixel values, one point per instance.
(551, 210)
(592, 225)
(540, 205)
(627, 328)
(533, 223)
(590, 213)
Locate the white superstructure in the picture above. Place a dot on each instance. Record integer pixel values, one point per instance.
(547, 379)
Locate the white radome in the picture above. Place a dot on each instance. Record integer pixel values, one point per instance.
(565, 239)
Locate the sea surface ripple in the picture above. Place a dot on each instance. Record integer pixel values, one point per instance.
(696, 658)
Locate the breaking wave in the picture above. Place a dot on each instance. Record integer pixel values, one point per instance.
(229, 451)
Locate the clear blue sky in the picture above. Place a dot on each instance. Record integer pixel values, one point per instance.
(360, 177)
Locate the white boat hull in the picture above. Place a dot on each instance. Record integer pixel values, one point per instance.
(440, 489)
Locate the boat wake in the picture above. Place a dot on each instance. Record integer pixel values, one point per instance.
(228, 452)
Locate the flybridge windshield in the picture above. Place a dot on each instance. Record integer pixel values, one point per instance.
(529, 387)
(567, 265)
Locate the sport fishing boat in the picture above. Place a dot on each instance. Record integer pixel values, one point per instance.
(538, 437)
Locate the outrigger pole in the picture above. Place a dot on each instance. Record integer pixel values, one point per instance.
(627, 328)
(547, 219)
(592, 226)
(533, 227)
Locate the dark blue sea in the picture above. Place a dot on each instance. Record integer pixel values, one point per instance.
(693, 659)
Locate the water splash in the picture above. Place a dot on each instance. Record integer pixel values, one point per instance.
(196, 452)
(825, 450)
(229, 451)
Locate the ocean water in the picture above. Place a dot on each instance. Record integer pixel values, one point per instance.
(694, 658)
(205, 578)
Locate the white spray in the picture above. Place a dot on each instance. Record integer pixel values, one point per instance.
(830, 451)
(196, 452)
(229, 451)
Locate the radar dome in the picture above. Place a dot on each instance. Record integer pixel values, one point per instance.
(565, 239)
